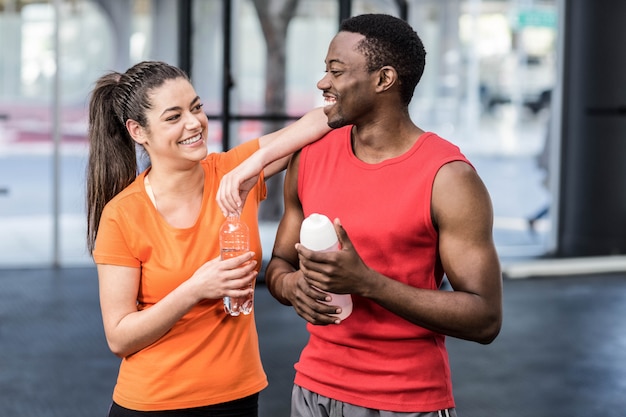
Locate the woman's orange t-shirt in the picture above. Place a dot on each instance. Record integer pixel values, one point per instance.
(208, 357)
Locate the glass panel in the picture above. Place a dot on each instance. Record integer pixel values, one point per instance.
(490, 71)
(375, 6)
(313, 25)
(208, 53)
(94, 37)
(26, 67)
(248, 60)
(27, 136)
(310, 32)
(489, 74)
(207, 63)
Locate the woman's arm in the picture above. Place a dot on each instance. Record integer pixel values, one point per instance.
(276, 148)
(129, 329)
(272, 157)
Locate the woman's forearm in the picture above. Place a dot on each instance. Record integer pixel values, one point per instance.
(273, 155)
(309, 128)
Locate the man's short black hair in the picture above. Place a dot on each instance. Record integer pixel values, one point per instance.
(390, 41)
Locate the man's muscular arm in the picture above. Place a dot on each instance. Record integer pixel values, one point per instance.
(283, 276)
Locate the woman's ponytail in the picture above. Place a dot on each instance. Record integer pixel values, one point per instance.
(112, 162)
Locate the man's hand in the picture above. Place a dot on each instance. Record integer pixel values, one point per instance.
(308, 301)
(340, 272)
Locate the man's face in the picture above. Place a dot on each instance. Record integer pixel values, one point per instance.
(347, 86)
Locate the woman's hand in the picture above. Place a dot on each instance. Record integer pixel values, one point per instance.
(225, 278)
(235, 186)
(274, 152)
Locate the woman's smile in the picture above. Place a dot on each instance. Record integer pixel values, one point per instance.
(192, 140)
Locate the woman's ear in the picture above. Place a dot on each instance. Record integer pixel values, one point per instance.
(136, 131)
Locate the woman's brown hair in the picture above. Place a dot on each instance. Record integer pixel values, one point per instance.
(112, 166)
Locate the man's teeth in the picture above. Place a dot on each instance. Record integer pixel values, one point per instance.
(329, 101)
(191, 140)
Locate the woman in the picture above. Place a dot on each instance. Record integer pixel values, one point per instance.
(155, 242)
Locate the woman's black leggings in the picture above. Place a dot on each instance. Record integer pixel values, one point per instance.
(245, 407)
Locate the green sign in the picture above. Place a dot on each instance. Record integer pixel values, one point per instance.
(536, 18)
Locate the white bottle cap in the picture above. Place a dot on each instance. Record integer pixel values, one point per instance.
(317, 233)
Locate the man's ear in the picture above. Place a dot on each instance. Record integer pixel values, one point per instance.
(136, 131)
(387, 77)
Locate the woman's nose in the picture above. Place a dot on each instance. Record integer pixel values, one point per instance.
(192, 121)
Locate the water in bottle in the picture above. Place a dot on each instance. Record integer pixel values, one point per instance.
(235, 241)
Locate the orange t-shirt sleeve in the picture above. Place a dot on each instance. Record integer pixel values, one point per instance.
(111, 245)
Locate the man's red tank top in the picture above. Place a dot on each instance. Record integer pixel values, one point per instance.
(374, 358)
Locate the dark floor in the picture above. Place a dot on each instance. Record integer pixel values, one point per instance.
(561, 352)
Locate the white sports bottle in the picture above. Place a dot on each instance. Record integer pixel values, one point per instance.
(317, 233)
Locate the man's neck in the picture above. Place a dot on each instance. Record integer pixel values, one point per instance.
(375, 143)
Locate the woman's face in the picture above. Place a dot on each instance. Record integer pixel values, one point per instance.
(177, 125)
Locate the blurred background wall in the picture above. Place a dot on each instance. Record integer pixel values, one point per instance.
(529, 90)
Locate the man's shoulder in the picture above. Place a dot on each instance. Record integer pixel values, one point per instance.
(331, 138)
(442, 146)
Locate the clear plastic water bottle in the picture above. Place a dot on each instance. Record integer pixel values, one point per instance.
(235, 241)
(317, 233)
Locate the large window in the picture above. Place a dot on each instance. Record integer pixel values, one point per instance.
(52, 53)
(490, 74)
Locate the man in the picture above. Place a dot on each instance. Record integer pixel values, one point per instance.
(407, 208)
